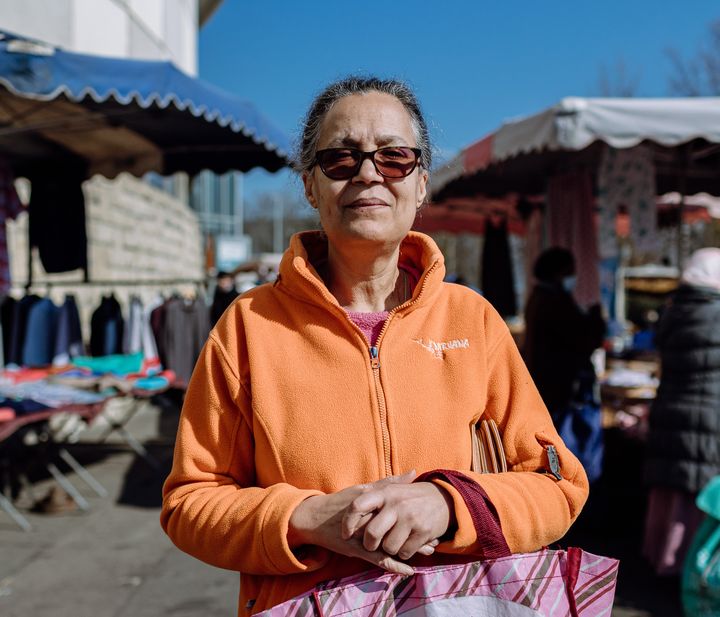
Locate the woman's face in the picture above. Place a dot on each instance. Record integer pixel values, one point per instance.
(367, 206)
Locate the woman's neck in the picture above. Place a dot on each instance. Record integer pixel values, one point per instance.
(366, 285)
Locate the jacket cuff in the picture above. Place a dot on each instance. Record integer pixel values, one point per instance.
(478, 524)
(275, 527)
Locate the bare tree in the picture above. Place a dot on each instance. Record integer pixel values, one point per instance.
(618, 81)
(699, 75)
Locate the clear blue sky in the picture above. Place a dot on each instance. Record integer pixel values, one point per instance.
(472, 63)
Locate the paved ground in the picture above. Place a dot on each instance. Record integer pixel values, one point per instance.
(114, 561)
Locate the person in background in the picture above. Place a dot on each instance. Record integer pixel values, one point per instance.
(224, 295)
(559, 336)
(683, 447)
(327, 425)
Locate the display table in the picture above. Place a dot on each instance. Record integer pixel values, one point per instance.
(627, 389)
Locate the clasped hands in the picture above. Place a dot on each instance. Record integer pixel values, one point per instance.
(384, 522)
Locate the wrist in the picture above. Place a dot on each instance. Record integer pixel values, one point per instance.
(300, 524)
(450, 526)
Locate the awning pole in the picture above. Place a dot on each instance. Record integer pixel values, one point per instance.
(29, 279)
(682, 187)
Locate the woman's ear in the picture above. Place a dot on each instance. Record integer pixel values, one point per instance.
(422, 188)
(309, 184)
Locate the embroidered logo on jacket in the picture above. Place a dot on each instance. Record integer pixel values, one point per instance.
(438, 349)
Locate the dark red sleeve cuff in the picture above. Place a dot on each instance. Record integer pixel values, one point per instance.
(491, 541)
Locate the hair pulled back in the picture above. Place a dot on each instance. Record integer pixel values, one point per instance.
(305, 158)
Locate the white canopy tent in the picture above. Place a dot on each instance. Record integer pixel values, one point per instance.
(522, 153)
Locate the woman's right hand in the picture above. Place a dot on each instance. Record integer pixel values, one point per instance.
(318, 520)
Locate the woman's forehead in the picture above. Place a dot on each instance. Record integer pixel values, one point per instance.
(375, 116)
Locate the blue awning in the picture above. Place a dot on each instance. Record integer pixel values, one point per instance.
(124, 115)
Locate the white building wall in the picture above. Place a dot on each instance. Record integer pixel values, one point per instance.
(142, 29)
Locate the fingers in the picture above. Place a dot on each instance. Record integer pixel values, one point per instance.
(359, 512)
(391, 565)
(369, 501)
(378, 528)
(428, 549)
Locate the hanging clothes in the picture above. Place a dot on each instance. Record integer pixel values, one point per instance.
(57, 218)
(10, 207)
(185, 329)
(149, 344)
(68, 339)
(7, 313)
(139, 336)
(157, 325)
(627, 178)
(41, 329)
(106, 328)
(498, 284)
(570, 206)
(18, 329)
(132, 341)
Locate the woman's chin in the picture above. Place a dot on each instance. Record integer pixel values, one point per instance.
(371, 231)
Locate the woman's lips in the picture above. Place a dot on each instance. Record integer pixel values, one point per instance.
(367, 202)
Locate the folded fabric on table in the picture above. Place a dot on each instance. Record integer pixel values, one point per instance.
(7, 414)
(156, 382)
(20, 375)
(22, 407)
(117, 364)
(50, 395)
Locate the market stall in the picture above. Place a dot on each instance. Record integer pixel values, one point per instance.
(591, 159)
(65, 117)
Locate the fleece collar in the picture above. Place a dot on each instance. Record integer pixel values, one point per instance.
(299, 278)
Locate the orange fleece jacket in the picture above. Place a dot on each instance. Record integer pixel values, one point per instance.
(286, 402)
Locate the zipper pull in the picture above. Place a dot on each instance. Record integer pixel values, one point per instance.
(554, 461)
(374, 360)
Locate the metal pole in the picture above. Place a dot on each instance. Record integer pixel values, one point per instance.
(686, 155)
(278, 232)
(240, 204)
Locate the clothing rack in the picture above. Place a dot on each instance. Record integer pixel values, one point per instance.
(112, 283)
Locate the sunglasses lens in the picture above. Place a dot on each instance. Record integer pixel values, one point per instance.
(344, 163)
(395, 162)
(339, 163)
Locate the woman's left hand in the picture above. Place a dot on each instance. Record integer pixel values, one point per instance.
(400, 518)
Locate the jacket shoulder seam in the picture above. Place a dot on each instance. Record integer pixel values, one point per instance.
(240, 416)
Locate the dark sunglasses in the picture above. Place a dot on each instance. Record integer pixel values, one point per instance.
(390, 162)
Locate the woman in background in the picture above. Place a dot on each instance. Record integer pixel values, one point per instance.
(683, 450)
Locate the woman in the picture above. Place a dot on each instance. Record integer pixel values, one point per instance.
(318, 398)
(559, 336)
(683, 449)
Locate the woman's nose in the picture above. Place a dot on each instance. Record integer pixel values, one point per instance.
(368, 172)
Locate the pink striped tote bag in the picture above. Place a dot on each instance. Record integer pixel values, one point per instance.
(547, 583)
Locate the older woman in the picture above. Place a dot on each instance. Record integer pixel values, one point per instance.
(683, 448)
(318, 398)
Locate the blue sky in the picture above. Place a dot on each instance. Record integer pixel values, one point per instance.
(473, 64)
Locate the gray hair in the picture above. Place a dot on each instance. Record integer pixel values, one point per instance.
(305, 158)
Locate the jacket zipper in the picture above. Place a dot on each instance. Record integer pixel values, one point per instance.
(375, 365)
(379, 391)
(385, 429)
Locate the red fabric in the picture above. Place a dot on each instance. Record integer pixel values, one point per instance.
(468, 215)
(574, 556)
(483, 513)
(573, 226)
(7, 414)
(478, 155)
